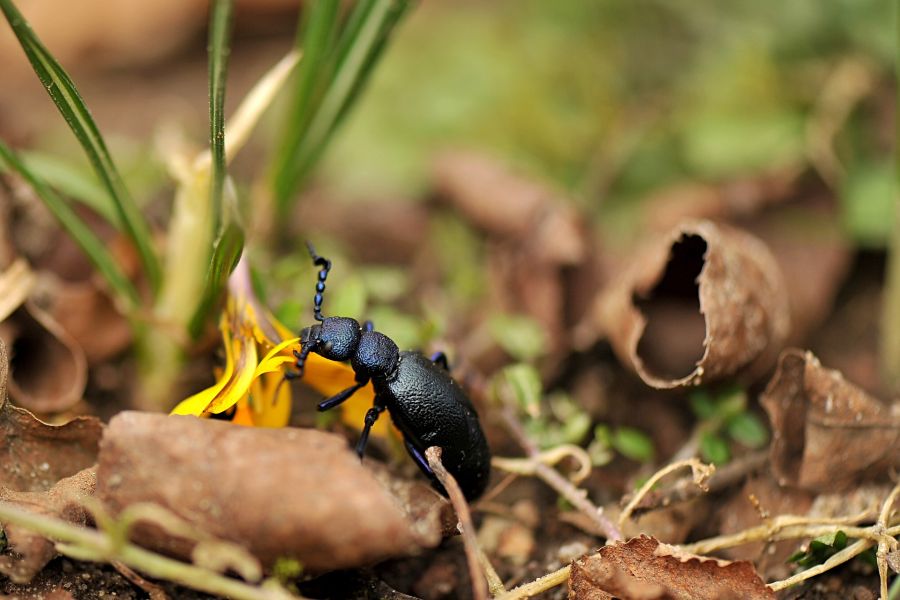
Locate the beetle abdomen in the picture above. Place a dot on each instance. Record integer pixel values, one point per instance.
(431, 409)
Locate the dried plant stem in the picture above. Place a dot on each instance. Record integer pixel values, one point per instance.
(526, 466)
(887, 543)
(88, 544)
(686, 488)
(479, 583)
(551, 477)
(541, 584)
(701, 473)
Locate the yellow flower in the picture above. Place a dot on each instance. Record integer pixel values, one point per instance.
(251, 390)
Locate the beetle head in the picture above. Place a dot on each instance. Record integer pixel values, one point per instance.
(335, 338)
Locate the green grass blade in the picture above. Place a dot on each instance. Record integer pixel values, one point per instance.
(219, 34)
(92, 246)
(227, 232)
(226, 253)
(362, 40)
(318, 33)
(73, 109)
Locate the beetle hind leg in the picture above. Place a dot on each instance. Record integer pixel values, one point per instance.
(418, 458)
(440, 359)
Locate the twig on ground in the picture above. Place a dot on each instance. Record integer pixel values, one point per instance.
(89, 544)
(479, 581)
(700, 472)
(155, 592)
(526, 466)
(687, 489)
(541, 584)
(554, 479)
(887, 543)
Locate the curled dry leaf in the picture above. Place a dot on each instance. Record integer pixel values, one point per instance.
(643, 568)
(48, 368)
(536, 239)
(702, 303)
(47, 471)
(507, 205)
(828, 435)
(294, 493)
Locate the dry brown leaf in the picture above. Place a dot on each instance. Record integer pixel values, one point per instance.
(643, 568)
(49, 369)
(37, 455)
(704, 302)
(507, 205)
(46, 470)
(537, 244)
(828, 435)
(278, 492)
(30, 551)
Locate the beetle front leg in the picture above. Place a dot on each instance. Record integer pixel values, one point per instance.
(340, 397)
(371, 416)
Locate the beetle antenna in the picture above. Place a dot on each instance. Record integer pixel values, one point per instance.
(320, 284)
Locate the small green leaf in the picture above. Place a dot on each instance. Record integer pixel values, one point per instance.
(702, 404)
(521, 337)
(600, 448)
(714, 449)
(65, 95)
(820, 549)
(522, 384)
(633, 444)
(868, 200)
(748, 429)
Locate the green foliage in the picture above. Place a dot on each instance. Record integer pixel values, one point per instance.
(521, 383)
(627, 441)
(339, 55)
(724, 416)
(820, 549)
(86, 239)
(521, 337)
(632, 443)
(869, 200)
(714, 449)
(65, 95)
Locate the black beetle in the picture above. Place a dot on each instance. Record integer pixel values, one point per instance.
(425, 403)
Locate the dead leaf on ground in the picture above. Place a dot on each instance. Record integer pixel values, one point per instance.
(48, 368)
(704, 302)
(45, 469)
(296, 493)
(538, 243)
(828, 435)
(643, 568)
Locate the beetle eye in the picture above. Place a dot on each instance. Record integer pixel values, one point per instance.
(327, 346)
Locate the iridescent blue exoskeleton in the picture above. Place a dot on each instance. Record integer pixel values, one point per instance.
(425, 403)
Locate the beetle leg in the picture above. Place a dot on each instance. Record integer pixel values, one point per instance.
(417, 456)
(439, 358)
(339, 397)
(371, 416)
(368, 326)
